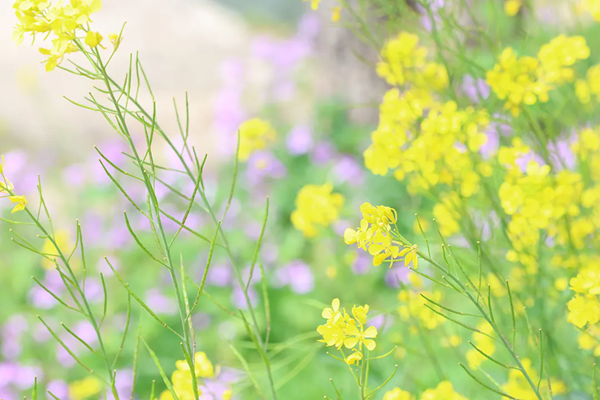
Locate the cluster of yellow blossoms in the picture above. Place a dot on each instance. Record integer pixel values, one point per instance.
(255, 134)
(342, 330)
(584, 308)
(590, 86)
(316, 205)
(404, 61)
(484, 341)
(518, 387)
(443, 391)
(375, 235)
(590, 6)
(64, 22)
(86, 388)
(7, 187)
(527, 80)
(182, 380)
(412, 306)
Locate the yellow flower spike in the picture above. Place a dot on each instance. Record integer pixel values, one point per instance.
(85, 388)
(93, 39)
(21, 203)
(336, 13)
(360, 313)
(397, 394)
(316, 205)
(512, 7)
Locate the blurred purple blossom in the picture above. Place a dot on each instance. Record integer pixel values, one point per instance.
(426, 20)
(59, 388)
(523, 161)
(398, 273)
(160, 303)
(475, 89)
(362, 263)
(297, 275)
(349, 170)
(323, 152)
(561, 155)
(239, 300)
(263, 164)
(299, 140)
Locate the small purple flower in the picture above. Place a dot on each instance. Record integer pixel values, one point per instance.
(398, 273)
(74, 175)
(297, 275)
(523, 161)
(561, 155)
(263, 164)
(475, 89)
(349, 170)
(362, 263)
(25, 378)
(308, 27)
(490, 147)
(239, 300)
(93, 290)
(59, 388)
(299, 140)
(322, 152)
(160, 303)
(219, 275)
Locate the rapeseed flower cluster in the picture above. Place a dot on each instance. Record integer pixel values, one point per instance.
(316, 205)
(588, 89)
(351, 332)
(518, 386)
(6, 190)
(375, 235)
(584, 308)
(412, 306)
(592, 7)
(182, 379)
(403, 62)
(484, 341)
(63, 22)
(526, 80)
(84, 389)
(255, 134)
(443, 391)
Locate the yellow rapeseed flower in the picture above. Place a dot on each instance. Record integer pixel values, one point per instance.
(316, 206)
(255, 134)
(85, 389)
(21, 203)
(512, 7)
(336, 13)
(397, 394)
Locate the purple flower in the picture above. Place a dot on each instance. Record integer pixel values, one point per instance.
(398, 273)
(239, 300)
(561, 155)
(322, 152)
(25, 378)
(308, 27)
(362, 263)
(299, 140)
(263, 164)
(524, 160)
(160, 303)
(219, 275)
(74, 175)
(123, 384)
(426, 20)
(490, 147)
(475, 89)
(59, 388)
(349, 170)
(93, 290)
(297, 275)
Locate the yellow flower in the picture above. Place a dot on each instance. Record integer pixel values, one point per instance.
(512, 7)
(114, 39)
(204, 368)
(93, 39)
(62, 242)
(316, 206)
(336, 13)
(85, 389)
(2, 162)
(397, 394)
(443, 391)
(410, 255)
(21, 202)
(359, 335)
(343, 330)
(255, 134)
(354, 357)
(314, 4)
